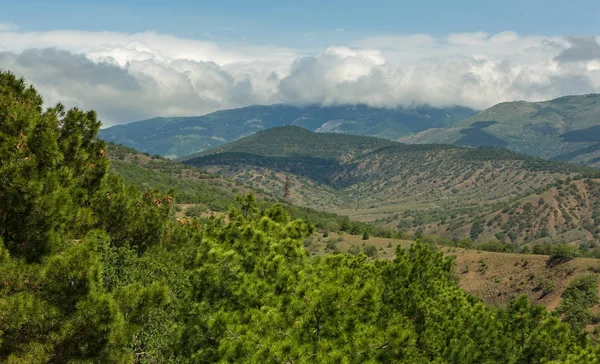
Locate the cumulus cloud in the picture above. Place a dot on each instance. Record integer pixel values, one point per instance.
(582, 48)
(140, 89)
(127, 77)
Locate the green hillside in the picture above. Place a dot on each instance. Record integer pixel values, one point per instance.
(198, 193)
(442, 189)
(564, 129)
(95, 269)
(293, 141)
(181, 136)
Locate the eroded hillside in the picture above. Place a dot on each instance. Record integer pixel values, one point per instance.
(446, 190)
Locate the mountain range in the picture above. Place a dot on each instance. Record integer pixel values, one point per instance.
(181, 136)
(565, 129)
(449, 172)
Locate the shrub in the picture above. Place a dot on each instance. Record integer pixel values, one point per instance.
(331, 245)
(483, 266)
(491, 246)
(562, 253)
(354, 250)
(578, 299)
(194, 211)
(370, 251)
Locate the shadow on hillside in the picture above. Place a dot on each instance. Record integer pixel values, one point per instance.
(554, 261)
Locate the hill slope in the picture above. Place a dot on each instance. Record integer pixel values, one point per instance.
(496, 278)
(443, 189)
(566, 129)
(182, 136)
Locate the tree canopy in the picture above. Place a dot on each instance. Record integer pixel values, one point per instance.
(95, 270)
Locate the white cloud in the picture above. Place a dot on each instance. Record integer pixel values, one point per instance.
(126, 77)
(7, 27)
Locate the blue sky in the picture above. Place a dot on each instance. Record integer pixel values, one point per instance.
(132, 60)
(306, 23)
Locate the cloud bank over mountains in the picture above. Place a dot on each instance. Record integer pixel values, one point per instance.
(128, 77)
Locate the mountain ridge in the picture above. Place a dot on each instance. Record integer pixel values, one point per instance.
(177, 137)
(566, 128)
(443, 189)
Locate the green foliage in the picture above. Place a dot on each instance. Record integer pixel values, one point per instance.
(559, 253)
(492, 246)
(538, 131)
(194, 211)
(49, 162)
(119, 280)
(577, 299)
(476, 229)
(562, 253)
(370, 251)
(58, 300)
(177, 137)
(162, 176)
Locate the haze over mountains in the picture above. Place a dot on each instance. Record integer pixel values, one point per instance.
(181, 136)
(565, 129)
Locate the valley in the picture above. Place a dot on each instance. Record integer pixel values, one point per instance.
(281, 182)
(495, 277)
(457, 192)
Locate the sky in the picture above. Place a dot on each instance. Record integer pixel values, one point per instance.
(132, 60)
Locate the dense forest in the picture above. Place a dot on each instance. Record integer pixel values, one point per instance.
(93, 269)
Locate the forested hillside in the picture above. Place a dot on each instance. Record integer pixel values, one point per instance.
(445, 190)
(202, 194)
(94, 269)
(181, 136)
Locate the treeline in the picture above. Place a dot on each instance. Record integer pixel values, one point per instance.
(94, 270)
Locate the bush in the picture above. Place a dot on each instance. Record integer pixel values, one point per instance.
(194, 211)
(370, 251)
(578, 299)
(547, 286)
(331, 245)
(354, 250)
(483, 266)
(562, 253)
(491, 246)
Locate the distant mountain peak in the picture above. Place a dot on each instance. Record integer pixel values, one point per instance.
(181, 136)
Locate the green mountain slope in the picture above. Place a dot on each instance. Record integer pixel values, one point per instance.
(95, 270)
(441, 188)
(200, 193)
(182, 136)
(567, 129)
